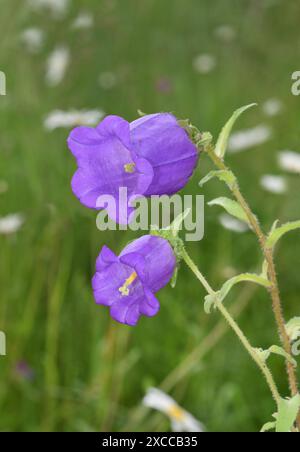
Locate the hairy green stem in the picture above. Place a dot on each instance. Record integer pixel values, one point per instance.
(232, 323)
(268, 255)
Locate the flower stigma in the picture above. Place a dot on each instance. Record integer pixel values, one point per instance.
(124, 290)
(129, 168)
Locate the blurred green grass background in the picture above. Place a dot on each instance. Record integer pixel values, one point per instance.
(90, 373)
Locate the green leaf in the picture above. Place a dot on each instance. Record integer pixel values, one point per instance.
(176, 226)
(268, 427)
(275, 350)
(141, 113)
(222, 142)
(223, 175)
(244, 277)
(210, 302)
(232, 207)
(218, 297)
(173, 230)
(293, 328)
(276, 233)
(287, 413)
(174, 277)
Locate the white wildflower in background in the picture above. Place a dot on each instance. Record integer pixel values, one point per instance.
(107, 80)
(289, 161)
(181, 420)
(58, 8)
(272, 107)
(274, 184)
(245, 139)
(72, 118)
(33, 39)
(11, 223)
(83, 21)
(3, 186)
(57, 65)
(225, 33)
(204, 63)
(229, 272)
(232, 224)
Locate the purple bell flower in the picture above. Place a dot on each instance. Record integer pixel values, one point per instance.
(128, 283)
(151, 156)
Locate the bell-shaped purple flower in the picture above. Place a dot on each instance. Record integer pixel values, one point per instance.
(151, 156)
(128, 283)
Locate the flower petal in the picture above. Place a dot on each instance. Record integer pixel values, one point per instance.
(137, 262)
(159, 270)
(115, 126)
(149, 306)
(161, 141)
(105, 259)
(126, 311)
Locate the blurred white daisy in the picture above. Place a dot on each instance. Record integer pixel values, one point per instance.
(107, 80)
(272, 107)
(33, 39)
(11, 223)
(204, 63)
(274, 184)
(229, 272)
(245, 139)
(289, 161)
(225, 33)
(232, 224)
(58, 8)
(83, 21)
(72, 118)
(3, 186)
(57, 65)
(181, 420)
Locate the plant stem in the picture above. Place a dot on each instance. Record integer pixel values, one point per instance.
(268, 255)
(232, 323)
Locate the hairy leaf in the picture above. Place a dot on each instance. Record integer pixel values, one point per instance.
(275, 350)
(293, 328)
(287, 413)
(232, 207)
(223, 175)
(222, 142)
(276, 233)
(244, 277)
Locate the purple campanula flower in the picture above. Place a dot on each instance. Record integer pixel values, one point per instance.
(128, 283)
(150, 156)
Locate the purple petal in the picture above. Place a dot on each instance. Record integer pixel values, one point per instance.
(161, 141)
(149, 306)
(126, 311)
(160, 260)
(137, 262)
(80, 138)
(105, 259)
(112, 126)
